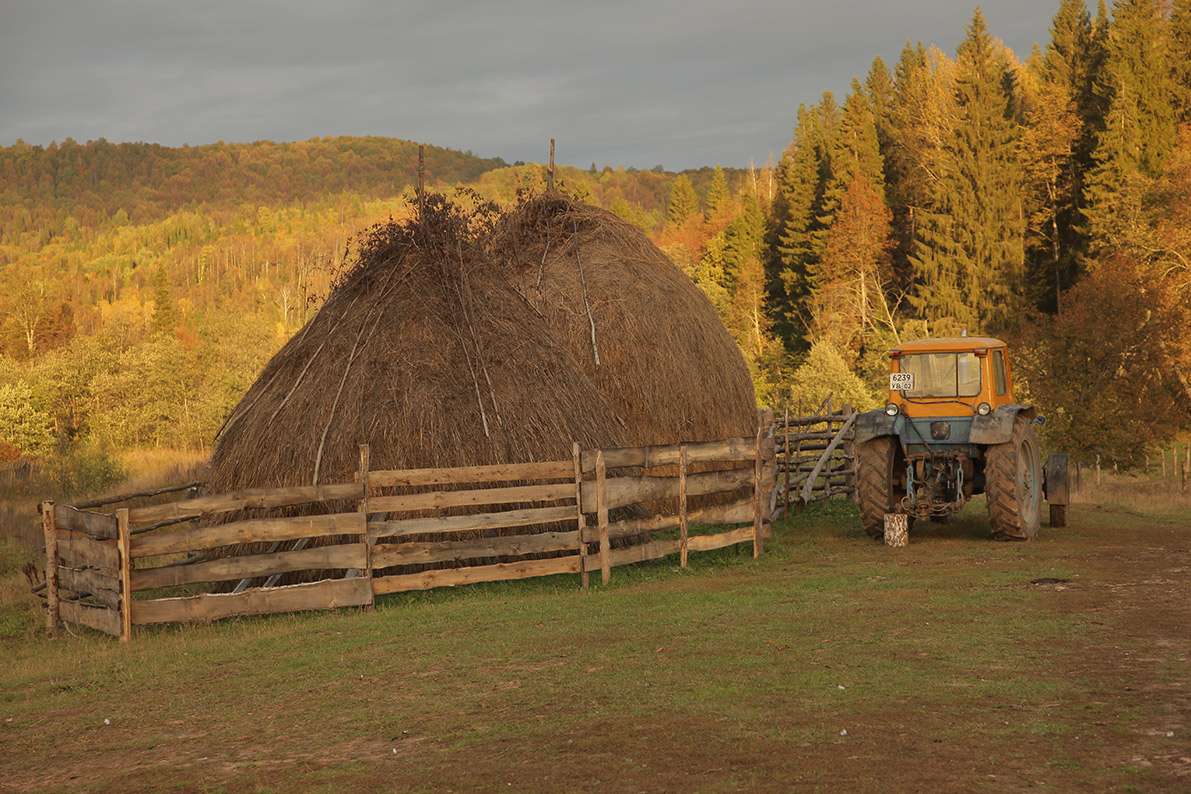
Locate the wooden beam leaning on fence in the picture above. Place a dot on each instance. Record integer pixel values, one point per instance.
(816, 463)
(403, 528)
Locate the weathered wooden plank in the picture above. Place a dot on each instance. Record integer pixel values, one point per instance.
(98, 618)
(435, 500)
(644, 551)
(477, 521)
(501, 472)
(623, 491)
(385, 555)
(106, 589)
(249, 498)
(350, 555)
(327, 594)
(102, 525)
(251, 531)
(682, 511)
(722, 539)
(79, 550)
(732, 449)
(481, 573)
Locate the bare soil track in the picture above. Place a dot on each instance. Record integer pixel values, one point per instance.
(833, 664)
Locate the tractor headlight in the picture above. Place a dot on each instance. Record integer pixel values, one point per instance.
(891, 409)
(984, 409)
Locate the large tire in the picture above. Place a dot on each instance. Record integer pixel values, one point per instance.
(874, 484)
(1013, 484)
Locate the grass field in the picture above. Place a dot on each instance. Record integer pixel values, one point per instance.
(830, 664)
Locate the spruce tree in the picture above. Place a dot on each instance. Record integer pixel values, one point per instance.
(1180, 58)
(717, 194)
(1139, 125)
(801, 176)
(683, 202)
(970, 251)
(908, 161)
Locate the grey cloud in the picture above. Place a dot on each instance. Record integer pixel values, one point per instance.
(682, 84)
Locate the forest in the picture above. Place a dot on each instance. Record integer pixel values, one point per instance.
(1044, 200)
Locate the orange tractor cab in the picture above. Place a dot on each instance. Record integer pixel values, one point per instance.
(952, 429)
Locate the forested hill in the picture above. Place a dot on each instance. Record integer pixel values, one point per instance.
(148, 181)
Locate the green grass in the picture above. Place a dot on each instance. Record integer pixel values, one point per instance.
(730, 674)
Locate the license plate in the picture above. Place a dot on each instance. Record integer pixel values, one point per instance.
(901, 381)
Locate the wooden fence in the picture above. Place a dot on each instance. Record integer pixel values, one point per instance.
(392, 531)
(815, 457)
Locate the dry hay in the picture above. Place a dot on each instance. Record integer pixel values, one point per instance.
(466, 339)
(636, 324)
(426, 353)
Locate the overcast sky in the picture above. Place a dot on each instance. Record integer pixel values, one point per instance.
(678, 83)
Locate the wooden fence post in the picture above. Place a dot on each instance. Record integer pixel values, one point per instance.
(363, 475)
(682, 517)
(124, 541)
(786, 452)
(602, 518)
(850, 454)
(584, 579)
(758, 542)
(51, 568)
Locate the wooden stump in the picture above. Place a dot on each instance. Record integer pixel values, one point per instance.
(897, 529)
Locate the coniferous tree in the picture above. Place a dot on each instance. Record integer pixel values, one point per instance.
(855, 151)
(915, 128)
(796, 212)
(717, 194)
(1139, 125)
(683, 202)
(1180, 58)
(970, 251)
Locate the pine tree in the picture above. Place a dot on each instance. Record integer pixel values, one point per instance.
(717, 194)
(683, 202)
(970, 252)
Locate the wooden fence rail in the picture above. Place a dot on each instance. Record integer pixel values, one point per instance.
(392, 531)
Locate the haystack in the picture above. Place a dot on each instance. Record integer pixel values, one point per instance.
(425, 352)
(635, 324)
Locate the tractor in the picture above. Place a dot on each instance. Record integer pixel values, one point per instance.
(952, 429)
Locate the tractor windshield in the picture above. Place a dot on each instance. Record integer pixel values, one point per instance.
(942, 374)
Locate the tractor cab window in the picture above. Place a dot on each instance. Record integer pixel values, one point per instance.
(943, 374)
(999, 379)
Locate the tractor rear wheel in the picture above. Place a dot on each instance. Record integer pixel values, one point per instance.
(1013, 484)
(875, 489)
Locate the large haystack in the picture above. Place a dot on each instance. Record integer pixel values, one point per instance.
(637, 325)
(425, 352)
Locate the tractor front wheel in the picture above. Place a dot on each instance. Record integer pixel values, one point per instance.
(1013, 484)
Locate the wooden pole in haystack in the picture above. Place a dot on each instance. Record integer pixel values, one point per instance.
(550, 171)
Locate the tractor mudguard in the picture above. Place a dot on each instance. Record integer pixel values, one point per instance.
(874, 424)
(997, 427)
